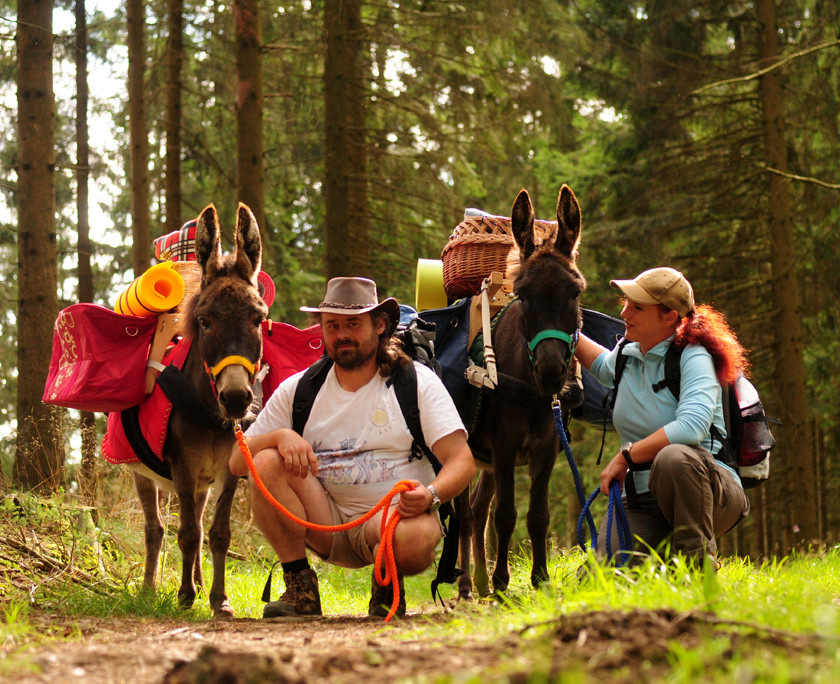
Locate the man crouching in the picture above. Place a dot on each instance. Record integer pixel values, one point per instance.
(357, 446)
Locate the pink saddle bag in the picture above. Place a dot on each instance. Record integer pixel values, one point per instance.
(98, 359)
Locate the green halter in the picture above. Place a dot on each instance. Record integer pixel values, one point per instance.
(571, 340)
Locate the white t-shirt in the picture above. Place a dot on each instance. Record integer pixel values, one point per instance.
(361, 438)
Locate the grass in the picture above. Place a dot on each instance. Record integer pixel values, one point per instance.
(768, 621)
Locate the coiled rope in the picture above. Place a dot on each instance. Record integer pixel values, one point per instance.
(385, 568)
(615, 508)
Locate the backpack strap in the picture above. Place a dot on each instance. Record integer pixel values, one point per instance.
(672, 371)
(307, 389)
(609, 397)
(620, 363)
(404, 380)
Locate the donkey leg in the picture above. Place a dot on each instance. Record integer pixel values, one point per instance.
(480, 504)
(189, 534)
(219, 545)
(200, 505)
(465, 524)
(538, 518)
(147, 493)
(504, 520)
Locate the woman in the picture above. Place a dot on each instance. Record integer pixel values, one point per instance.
(677, 488)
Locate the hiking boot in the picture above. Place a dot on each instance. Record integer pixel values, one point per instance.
(300, 598)
(381, 598)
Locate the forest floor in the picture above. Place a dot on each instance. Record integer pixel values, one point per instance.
(47, 636)
(613, 645)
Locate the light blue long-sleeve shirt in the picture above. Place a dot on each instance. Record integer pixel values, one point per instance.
(640, 411)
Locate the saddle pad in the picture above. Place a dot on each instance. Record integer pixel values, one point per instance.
(287, 350)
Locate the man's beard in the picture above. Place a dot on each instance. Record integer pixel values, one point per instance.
(355, 356)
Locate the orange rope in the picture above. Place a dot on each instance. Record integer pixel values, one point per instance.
(384, 556)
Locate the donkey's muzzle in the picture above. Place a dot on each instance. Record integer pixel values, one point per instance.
(233, 387)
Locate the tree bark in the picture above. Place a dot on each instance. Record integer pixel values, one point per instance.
(795, 449)
(39, 448)
(138, 141)
(87, 420)
(345, 172)
(174, 67)
(250, 174)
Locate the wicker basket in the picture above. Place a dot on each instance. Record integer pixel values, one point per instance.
(478, 246)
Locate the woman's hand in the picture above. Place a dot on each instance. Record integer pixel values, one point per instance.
(616, 470)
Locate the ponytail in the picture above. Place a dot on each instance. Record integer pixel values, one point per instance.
(707, 327)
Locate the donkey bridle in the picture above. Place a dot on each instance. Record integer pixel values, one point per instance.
(549, 334)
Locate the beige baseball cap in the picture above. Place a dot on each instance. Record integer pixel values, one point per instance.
(663, 285)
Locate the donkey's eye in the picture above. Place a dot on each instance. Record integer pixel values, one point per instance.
(204, 322)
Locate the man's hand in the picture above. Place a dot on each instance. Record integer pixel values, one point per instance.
(292, 449)
(297, 454)
(415, 501)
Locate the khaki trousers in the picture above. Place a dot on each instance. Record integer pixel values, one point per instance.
(692, 500)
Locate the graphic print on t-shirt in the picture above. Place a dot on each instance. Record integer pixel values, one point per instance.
(351, 464)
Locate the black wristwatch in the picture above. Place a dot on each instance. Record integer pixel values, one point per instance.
(625, 451)
(435, 498)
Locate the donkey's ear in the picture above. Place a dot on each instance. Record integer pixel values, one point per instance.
(248, 244)
(522, 224)
(568, 223)
(208, 246)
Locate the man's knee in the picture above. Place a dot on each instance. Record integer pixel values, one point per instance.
(415, 545)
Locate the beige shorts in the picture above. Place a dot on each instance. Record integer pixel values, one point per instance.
(349, 548)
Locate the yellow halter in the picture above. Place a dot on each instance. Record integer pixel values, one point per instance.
(232, 361)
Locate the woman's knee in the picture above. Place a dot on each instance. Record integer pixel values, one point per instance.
(674, 460)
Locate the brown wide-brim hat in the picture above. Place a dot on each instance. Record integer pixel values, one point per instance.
(350, 296)
(663, 285)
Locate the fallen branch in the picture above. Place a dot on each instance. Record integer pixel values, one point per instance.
(75, 574)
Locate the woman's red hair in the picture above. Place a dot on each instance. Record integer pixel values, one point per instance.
(708, 327)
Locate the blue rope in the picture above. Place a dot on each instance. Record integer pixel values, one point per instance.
(615, 507)
(561, 432)
(615, 511)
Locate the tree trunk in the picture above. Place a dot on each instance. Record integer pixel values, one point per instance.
(39, 448)
(345, 168)
(795, 448)
(139, 175)
(250, 175)
(90, 445)
(174, 63)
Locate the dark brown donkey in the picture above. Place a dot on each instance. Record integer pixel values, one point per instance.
(517, 426)
(223, 319)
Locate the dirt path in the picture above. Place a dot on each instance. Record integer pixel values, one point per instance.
(354, 649)
(340, 649)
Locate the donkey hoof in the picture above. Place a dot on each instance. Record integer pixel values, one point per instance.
(186, 600)
(223, 611)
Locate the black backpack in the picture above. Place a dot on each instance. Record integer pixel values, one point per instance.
(418, 340)
(748, 441)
